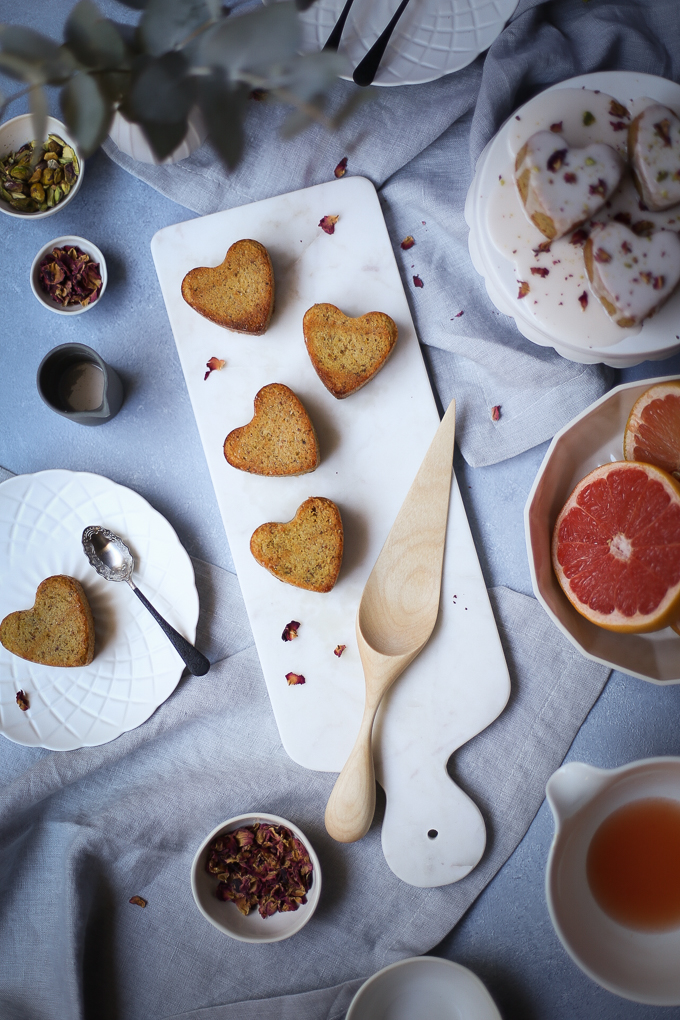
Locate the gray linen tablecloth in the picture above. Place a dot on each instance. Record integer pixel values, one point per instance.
(82, 831)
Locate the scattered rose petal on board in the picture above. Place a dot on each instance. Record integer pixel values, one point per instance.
(138, 901)
(496, 412)
(295, 678)
(408, 242)
(341, 168)
(339, 649)
(214, 365)
(327, 223)
(22, 701)
(418, 282)
(290, 631)
(583, 300)
(524, 289)
(540, 271)
(458, 314)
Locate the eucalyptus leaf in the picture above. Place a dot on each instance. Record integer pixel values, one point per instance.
(94, 40)
(35, 50)
(169, 24)
(309, 76)
(86, 111)
(251, 44)
(19, 69)
(223, 105)
(164, 138)
(162, 92)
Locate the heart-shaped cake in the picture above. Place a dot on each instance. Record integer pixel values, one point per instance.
(58, 630)
(279, 440)
(305, 552)
(632, 276)
(346, 353)
(654, 151)
(562, 187)
(239, 293)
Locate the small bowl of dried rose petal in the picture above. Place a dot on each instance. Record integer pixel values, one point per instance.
(68, 275)
(257, 878)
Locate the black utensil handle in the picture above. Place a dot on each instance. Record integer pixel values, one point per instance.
(366, 69)
(333, 40)
(195, 660)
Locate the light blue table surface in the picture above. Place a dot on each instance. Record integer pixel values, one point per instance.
(153, 446)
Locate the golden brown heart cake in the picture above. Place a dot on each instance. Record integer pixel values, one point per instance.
(631, 275)
(654, 151)
(58, 630)
(305, 552)
(346, 353)
(280, 439)
(562, 187)
(239, 293)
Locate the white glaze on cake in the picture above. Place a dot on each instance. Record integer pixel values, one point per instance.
(564, 186)
(632, 275)
(555, 299)
(654, 150)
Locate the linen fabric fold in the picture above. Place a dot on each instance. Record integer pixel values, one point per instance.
(81, 832)
(419, 144)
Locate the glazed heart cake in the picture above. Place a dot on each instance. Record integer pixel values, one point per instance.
(239, 293)
(305, 552)
(562, 187)
(654, 151)
(632, 276)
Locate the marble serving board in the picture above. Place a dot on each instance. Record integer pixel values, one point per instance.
(372, 444)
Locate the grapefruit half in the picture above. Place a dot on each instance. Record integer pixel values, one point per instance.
(616, 547)
(653, 428)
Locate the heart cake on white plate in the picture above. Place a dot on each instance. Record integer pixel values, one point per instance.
(562, 187)
(631, 275)
(654, 151)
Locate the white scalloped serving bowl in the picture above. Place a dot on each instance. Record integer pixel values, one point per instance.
(135, 668)
(593, 438)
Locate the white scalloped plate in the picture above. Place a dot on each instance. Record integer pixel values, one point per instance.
(658, 339)
(135, 667)
(432, 37)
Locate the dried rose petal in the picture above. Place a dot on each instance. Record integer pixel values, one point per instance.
(601, 255)
(540, 271)
(570, 178)
(496, 412)
(583, 300)
(295, 678)
(290, 631)
(458, 314)
(260, 865)
(22, 701)
(417, 282)
(557, 127)
(524, 289)
(138, 901)
(618, 125)
(327, 223)
(579, 236)
(544, 246)
(408, 242)
(663, 131)
(643, 228)
(214, 365)
(339, 649)
(659, 282)
(341, 168)
(556, 160)
(600, 188)
(623, 217)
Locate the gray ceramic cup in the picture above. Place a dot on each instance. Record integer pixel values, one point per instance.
(76, 383)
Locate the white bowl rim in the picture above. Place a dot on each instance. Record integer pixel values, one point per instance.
(418, 960)
(613, 775)
(80, 242)
(248, 818)
(66, 134)
(647, 383)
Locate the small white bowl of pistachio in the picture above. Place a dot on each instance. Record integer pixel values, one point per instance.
(37, 185)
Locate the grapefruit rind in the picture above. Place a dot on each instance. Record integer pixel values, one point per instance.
(652, 433)
(667, 610)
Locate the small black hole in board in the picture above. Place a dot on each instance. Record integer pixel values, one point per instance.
(432, 834)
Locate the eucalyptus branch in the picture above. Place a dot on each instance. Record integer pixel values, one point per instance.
(17, 95)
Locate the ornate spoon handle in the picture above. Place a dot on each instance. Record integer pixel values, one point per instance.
(333, 40)
(366, 70)
(195, 660)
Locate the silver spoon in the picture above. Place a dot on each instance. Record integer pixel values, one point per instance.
(111, 558)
